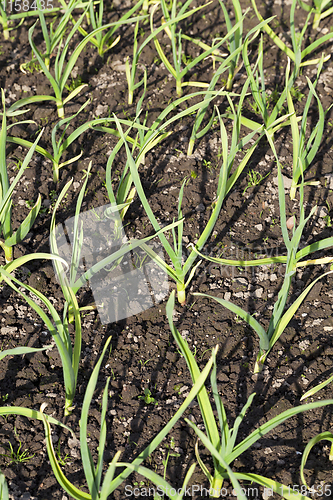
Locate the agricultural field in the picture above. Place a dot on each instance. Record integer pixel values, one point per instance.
(166, 212)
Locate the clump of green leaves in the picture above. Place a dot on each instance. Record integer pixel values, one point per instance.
(255, 179)
(148, 398)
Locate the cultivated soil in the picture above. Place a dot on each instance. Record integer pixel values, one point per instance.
(144, 353)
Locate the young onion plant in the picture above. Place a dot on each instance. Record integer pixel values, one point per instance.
(296, 54)
(59, 146)
(59, 329)
(178, 69)
(57, 326)
(10, 237)
(5, 411)
(229, 62)
(145, 140)
(100, 488)
(55, 37)
(280, 319)
(321, 9)
(304, 151)
(105, 42)
(220, 439)
(146, 137)
(62, 70)
(236, 39)
(258, 90)
(131, 70)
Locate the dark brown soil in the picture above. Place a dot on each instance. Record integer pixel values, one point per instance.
(144, 354)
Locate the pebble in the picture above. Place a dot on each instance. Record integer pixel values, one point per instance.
(286, 182)
(8, 330)
(200, 208)
(322, 212)
(118, 66)
(101, 109)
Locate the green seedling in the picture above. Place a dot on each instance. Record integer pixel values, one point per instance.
(19, 456)
(63, 461)
(105, 42)
(327, 217)
(255, 178)
(59, 146)
(177, 388)
(227, 179)
(235, 47)
(201, 113)
(170, 453)
(62, 70)
(132, 70)
(143, 363)
(145, 140)
(53, 38)
(236, 39)
(296, 54)
(321, 9)
(304, 152)
(10, 238)
(75, 83)
(262, 101)
(60, 328)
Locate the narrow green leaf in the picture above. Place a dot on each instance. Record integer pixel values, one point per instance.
(22, 350)
(250, 320)
(26, 412)
(284, 321)
(88, 465)
(26, 225)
